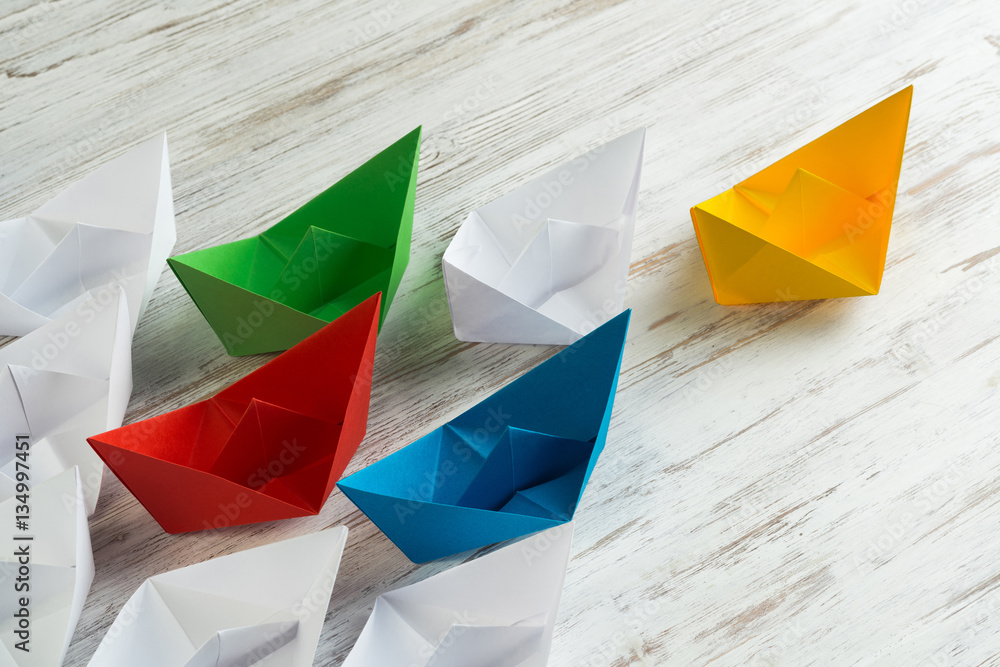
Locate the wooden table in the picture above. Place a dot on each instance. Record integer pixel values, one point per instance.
(789, 484)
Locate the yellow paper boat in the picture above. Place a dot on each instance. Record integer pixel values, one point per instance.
(815, 224)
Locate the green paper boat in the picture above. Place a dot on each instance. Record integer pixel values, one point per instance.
(269, 292)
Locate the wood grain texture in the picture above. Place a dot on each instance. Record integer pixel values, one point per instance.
(789, 484)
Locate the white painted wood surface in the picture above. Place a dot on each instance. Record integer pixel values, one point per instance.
(791, 484)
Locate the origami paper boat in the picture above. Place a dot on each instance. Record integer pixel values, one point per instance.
(116, 225)
(815, 224)
(62, 568)
(542, 263)
(514, 464)
(267, 293)
(271, 446)
(496, 611)
(62, 382)
(263, 606)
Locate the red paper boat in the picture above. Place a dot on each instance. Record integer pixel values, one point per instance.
(270, 446)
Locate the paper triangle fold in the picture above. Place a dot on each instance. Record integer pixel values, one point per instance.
(814, 224)
(66, 380)
(264, 605)
(546, 261)
(113, 228)
(498, 610)
(516, 463)
(270, 446)
(267, 293)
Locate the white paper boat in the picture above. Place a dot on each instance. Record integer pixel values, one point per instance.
(115, 226)
(548, 262)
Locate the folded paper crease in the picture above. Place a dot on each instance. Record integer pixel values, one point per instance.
(548, 260)
(114, 227)
(815, 224)
(270, 446)
(498, 610)
(59, 384)
(264, 607)
(516, 463)
(267, 293)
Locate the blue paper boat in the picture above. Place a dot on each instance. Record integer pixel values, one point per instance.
(514, 464)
